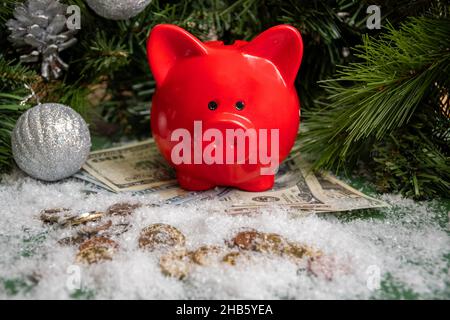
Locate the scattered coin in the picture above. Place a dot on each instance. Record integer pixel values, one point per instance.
(54, 215)
(71, 241)
(95, 229)
(232, 258)
(82, 218)
(122, 209)
(176, 263)
(244, 239)
(261, 242)
(118, 229)
(273, 243)
(207, 255)
(107, 229)
(96, 250)
(157, 236)
(231, 242)
(98, 241)
(65, 217)
(300, 251)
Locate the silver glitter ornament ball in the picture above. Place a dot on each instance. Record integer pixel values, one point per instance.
(118, 9)
(50, 142)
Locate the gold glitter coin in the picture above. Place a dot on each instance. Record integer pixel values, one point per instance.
(96, 250)
(176, 263)
(158, 236)
(54, 215)
(122, 209)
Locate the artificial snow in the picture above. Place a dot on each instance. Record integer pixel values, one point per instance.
(397, 252)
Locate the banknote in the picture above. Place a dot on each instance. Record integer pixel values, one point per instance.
(298, 187)
(91, 182)
(139, 168)
(134, 167)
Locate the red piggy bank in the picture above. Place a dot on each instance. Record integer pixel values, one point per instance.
(225, 115)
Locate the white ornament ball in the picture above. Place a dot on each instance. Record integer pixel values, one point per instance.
(50, 142)
(118, 9)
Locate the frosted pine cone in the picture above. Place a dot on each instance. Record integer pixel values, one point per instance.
(40, 29)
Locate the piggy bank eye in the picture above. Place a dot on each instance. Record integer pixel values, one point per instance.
(212, 105)
(240, 105)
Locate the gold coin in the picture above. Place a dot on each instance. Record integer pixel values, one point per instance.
(54, 215)
(82, 218)
(299, 251)
(260, 242)
(245, 239)
(118, 229)
(157, 236)
(98, 242)
(107, 230)
(273, 243)
(94, 229)
(232, 258)
(176, 263)
(207, 255)
(122, 209)
(71, 241)
(96, 250)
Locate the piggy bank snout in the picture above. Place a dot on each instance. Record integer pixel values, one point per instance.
(234, 130)
(224, 122)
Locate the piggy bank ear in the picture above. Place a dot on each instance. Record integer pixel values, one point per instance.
(167, 44)
(283, 46)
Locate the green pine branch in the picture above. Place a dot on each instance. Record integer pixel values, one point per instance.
(415, 160)
(104, 55)
(6, 10)
(370, 99)
(10, 110)
(15, 75)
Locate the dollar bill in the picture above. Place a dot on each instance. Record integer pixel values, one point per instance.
(91, 183)
(139, 168)
(134, 167)
(298, 187)
(343, 197)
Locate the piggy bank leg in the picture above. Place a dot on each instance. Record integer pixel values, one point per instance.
(188, 182)
(261, 183)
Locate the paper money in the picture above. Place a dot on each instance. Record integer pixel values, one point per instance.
(134, 167)
(297, 187)
(91, 182)
(343, 197)
(139, 168)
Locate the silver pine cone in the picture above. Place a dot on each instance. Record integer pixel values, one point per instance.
(39, 28)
